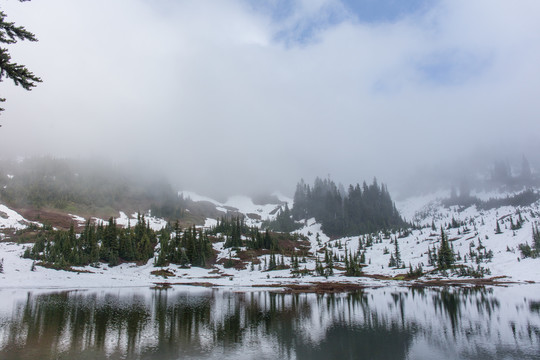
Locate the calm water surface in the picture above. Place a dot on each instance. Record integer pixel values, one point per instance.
(191, 323)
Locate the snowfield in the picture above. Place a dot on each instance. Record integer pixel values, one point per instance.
(477, 233)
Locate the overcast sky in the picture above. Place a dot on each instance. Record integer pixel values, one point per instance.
(234, 95)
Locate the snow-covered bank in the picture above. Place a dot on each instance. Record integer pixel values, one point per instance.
(17, 274)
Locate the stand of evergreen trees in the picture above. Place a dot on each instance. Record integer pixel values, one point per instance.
(233, 228)
(352, 264)
(189, 247)
(111, 244)
(364, 209)
(534, 250)
(283, 222)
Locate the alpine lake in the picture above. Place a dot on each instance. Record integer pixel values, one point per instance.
(186, 322)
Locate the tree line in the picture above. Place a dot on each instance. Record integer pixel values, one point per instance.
(237, 234)
(362, 210)
(108, 243)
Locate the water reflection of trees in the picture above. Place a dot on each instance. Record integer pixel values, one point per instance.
(59, 323)
(169, 324)
(451, 301)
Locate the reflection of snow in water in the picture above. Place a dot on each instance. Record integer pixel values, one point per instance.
(421, 323)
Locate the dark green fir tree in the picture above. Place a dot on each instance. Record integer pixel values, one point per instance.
(445, 257)
(10, 34)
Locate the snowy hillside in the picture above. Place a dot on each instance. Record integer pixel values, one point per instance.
(470, 232)
(255, 213)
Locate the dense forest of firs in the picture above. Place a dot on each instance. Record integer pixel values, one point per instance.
(363, 209)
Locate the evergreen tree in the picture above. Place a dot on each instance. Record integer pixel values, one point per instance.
(294, 263)
(392, 262)
(300, 201)
(329, 268)
(445, 257)
(319, 268)
(272, 265)
(184, 261)
(397, 254)
(10, 34)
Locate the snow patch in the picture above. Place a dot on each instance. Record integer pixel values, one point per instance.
(208, 223)
(196, 197)
(10, 219)
(155, 223)
(78, 218)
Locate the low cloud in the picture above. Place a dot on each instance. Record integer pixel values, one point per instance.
(228, 97)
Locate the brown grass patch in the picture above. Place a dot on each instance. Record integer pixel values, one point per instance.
(252, 255)
(166, 273)
(288, 244)
(55, 218)
(232, 263)
(67, 268)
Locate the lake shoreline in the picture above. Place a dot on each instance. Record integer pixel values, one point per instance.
(346, 286)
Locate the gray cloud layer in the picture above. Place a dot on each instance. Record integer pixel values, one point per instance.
(223, 97)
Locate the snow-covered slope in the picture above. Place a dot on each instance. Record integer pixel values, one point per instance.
(10, 219)
(255, 213)
(476, 234)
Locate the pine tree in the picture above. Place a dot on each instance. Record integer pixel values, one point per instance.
(272, 265)
(329, 269)
(397, 254)
(445, 257)
(294, 263)
(352, 266)
(319, 268)
(10, 34)
(392, 262)
(184, 261)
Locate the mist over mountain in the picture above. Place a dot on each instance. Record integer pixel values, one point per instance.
(242, 97)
